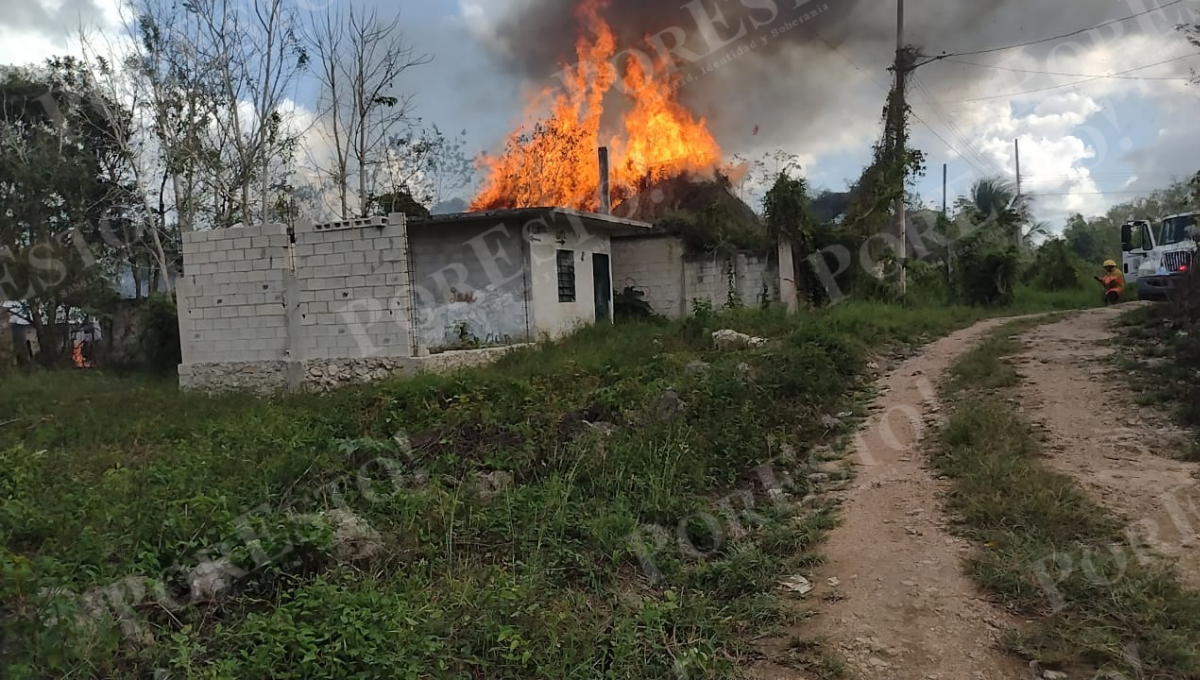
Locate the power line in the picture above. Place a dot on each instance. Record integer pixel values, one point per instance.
(1067, 75)
(1093, 193)
(956, 132)
(1063, 36)
(950, 146)
(929, 127)
(1072, 84)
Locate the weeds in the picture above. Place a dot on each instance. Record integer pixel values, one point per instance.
(103, 479)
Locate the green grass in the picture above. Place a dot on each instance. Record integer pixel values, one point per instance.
(1051, 554)
(1154, 345)
(105, 478)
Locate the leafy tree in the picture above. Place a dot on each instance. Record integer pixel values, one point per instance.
(787, 212)
(60, 185)
(1053, 267)
(399, 200)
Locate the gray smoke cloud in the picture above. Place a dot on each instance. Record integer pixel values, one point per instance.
(807, 52)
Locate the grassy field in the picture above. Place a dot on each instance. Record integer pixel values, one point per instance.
(1049, 552)
(1166, 359)
(560, 574)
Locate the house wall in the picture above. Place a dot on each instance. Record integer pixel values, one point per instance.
(670, 280)
(475, 274)
(231, 306)
(257, 311)
(552, 318)
(654, 265)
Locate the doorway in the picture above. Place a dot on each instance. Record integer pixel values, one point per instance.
(602, 276)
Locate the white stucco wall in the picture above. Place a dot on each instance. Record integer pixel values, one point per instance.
(552, 318)
(472, 274)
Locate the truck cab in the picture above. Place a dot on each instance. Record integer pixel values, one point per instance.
(1154, 259)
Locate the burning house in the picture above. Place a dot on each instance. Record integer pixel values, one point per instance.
(319, 305)
(657, 160)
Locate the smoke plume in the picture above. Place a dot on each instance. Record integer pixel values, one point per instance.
(814, 61)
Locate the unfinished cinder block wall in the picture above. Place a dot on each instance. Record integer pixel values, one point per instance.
(232, 307)
(264, 309)
(670, 279)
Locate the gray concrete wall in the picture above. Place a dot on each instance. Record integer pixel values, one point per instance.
(655, 266)
(255, 304)
(476, 274)
(231, 296)
(352, 283)
(670, 280)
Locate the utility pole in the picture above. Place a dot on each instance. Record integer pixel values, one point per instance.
(945, 173)
(1020, 204)
(899, 113)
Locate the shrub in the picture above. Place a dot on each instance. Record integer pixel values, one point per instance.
(159, 334)
(1053, 267)
(631, 304)
(987, 275)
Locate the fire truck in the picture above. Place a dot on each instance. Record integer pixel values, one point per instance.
(1156, 256)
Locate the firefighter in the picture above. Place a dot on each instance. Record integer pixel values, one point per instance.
(1113, 282)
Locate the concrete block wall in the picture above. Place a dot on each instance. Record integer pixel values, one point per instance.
(753, 273)
(257, 304)
(231, 297)
(655, 266)
(353, 290)
(670, 280)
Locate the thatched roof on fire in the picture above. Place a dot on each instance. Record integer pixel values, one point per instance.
(705, 213)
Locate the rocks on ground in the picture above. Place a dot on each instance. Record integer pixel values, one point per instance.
(670, 405)
(211, 580)
(492, 484)
(731, 340)
(353, 538)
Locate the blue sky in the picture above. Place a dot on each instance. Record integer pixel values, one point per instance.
(1084, 147)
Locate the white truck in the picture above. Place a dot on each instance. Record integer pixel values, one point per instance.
(1154, 259)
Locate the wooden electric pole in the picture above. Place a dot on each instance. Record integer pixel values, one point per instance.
(945, 175)
(899, 112)
(1020, 205)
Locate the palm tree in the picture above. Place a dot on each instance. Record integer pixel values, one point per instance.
(1037, 229)
(996, 203)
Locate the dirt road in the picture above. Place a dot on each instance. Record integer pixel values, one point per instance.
(902, 608)
(1120, 453)
(892, 596)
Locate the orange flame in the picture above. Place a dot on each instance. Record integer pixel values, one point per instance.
(554, 162)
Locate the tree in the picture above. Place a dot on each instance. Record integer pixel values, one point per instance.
(427, 164)
(399, 200)
(359, 57)
(787, 212)
(60, 173)
(995, 203)
(144, 231)
(1033, 233)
